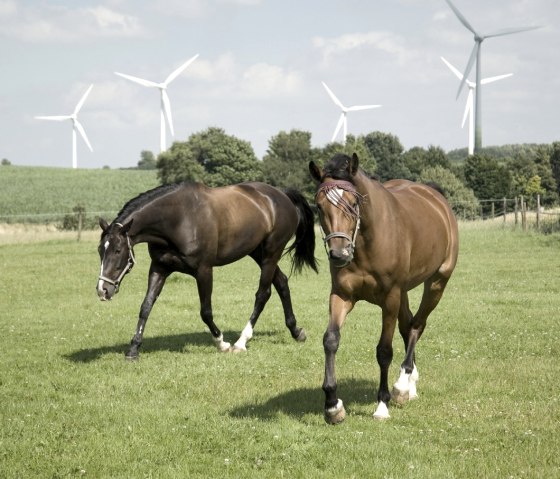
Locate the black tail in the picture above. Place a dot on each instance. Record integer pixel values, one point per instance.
(303, 247)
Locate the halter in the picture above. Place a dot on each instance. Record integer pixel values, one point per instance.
(129, 264)
(334, 197)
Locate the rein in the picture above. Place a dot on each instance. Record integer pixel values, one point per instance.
(335, 197)
(130, 263)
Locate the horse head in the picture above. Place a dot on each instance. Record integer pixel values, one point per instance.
(338, 203)
(117, 257)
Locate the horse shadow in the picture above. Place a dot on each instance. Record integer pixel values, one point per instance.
(171, 343)
(300, 402)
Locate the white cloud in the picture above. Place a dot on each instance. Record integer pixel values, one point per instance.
(61, 24)
(264, 80)
(386, 42)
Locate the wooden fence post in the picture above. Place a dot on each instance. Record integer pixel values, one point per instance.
(523, 214)
(516, 212)
(538, 211)
(505, 210)
(80, 223)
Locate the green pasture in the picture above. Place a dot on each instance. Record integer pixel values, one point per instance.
(71, 406)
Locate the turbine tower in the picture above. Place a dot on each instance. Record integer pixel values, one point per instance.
(165, 110)
(470, 100)
(76, 126)
(475, 55)
(342, 121)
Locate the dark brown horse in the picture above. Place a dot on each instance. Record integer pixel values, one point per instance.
(191, 228)
(382, 241)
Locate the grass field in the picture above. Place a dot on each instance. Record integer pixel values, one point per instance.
(71, 406)
(36, 194)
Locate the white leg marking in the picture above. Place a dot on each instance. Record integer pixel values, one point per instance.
(222, 345)
(246, 335)
(333, 410)
(403, 383)
(412, 394)
(382, 411)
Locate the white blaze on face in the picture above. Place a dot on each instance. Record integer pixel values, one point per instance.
(335, 195)
(100, 282)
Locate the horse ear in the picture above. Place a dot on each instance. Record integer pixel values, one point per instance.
(315, 171)
(103, 224)
(354, 164)
(126, 227)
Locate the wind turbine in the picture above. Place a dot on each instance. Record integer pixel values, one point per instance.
(475, 55)
(342, 121)
(76, 125)
(165, 111)
(470, 100)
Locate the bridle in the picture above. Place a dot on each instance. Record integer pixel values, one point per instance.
(334, 197)
(129, 264)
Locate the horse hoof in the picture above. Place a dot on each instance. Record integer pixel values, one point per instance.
(131, 356)
(301, 337)
(335, 415)
(400, 397)
(382, 412)
(236, 349)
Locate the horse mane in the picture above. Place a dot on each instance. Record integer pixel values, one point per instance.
(147, 197)
(438, 188)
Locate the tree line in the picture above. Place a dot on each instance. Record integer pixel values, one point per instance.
(216, 159)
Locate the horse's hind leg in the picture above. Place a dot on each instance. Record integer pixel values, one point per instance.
(280, 282)
(262, 296)
(433, 291)
(405, 388)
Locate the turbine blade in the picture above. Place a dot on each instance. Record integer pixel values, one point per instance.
(141, 81)
(55, 118)
(469, 67)
(80, 128)
(453, 69)
(362, 107)
(510, 31)
(338, 126)
(468, 108)
(166, 108)
(179, 70)
(484, 81)
(333, 96)
(82, 100)
(461, 17)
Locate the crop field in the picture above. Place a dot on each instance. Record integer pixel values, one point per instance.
(72, 406)
(38, 194)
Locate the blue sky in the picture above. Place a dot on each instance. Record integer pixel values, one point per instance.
(260, 69)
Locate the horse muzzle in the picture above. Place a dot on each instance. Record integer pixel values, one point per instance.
(342, 257)
(106, 290)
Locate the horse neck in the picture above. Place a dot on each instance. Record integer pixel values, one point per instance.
(376, 201)
(147, 221)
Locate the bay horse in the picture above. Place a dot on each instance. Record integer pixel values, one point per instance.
(382, 240)
(190, 228)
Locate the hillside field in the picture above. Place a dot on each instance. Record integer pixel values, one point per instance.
(71, 406)
(40, 194)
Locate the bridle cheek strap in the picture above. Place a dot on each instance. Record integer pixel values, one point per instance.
(130, 263)
(339, 234)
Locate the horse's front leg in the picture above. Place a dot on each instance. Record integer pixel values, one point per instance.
(204, 283)
(384, 353)
(338, 309)
(156, 280)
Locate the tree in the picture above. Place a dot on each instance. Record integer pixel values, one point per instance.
(417, 159)
(286, 161)
(212, 157)
(462, 199)
(6, 162)
(387, 151)
(487, 178)
(147, 161)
